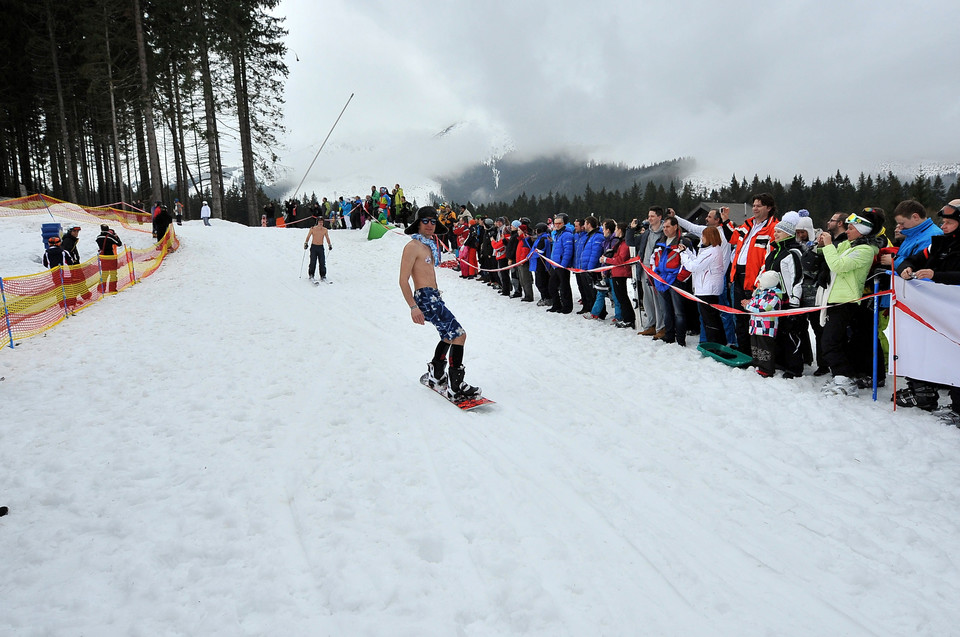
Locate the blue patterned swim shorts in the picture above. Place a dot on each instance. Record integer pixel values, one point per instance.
(437, 314)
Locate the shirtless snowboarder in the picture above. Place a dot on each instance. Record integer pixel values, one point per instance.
(418, 261)
(315, 238)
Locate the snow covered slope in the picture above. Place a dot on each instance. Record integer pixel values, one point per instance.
(227, 450)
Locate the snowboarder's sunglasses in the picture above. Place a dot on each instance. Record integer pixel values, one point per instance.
(429, 220)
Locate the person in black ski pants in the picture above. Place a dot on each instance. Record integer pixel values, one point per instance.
(315, 238)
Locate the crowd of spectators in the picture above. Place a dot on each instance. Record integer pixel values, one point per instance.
(768, 263)
(352, 212)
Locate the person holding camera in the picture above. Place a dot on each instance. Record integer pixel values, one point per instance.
(846, 328)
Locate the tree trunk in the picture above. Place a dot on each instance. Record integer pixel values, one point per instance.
(216, 189)
(51, 138)
(156, 180)
(118, 176)
(184, 170)
(84, 182)
(142, 163)
(68, 159)
(246, 143)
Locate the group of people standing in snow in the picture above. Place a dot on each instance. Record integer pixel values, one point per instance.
(388, 206)
(63, 251)
(765, 265)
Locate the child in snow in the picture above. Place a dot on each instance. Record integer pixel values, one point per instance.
(767, 297)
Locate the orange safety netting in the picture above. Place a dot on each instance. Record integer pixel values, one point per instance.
(42, 204)
(33, 303)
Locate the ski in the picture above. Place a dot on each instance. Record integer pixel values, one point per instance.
(465, 404)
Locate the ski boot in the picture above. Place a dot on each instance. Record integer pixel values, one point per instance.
(435, 377)
(457, 389)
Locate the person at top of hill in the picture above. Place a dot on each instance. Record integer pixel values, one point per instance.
(418, 262)
(383, 205)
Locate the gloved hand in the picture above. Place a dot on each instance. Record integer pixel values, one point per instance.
(330, 248)
(304, 246)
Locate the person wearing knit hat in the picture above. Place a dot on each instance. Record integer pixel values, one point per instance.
(783, 260)
(418, 263)
(805, 225)
(788, 224)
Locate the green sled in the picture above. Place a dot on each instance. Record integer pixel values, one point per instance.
(377, 230)
(724, 354)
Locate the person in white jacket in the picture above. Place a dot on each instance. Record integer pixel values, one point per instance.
(205, 214)
(707, 268)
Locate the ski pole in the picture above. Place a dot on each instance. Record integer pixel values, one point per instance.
(300, 276)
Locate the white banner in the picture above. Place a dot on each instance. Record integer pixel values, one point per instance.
(927, 331)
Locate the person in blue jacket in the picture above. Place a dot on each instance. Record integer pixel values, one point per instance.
(542, 244)
(912, 222)
(562, 255)
(589, 260)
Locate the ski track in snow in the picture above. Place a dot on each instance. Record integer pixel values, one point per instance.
(228, 450)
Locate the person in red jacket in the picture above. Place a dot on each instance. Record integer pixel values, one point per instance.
(750, 241)
(619, 276)
(524, 243)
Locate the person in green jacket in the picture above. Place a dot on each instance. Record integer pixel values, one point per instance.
(847, 329)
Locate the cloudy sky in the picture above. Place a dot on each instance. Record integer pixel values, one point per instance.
(747, 87)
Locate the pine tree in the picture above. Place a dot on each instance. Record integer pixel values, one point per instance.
(939, 192)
